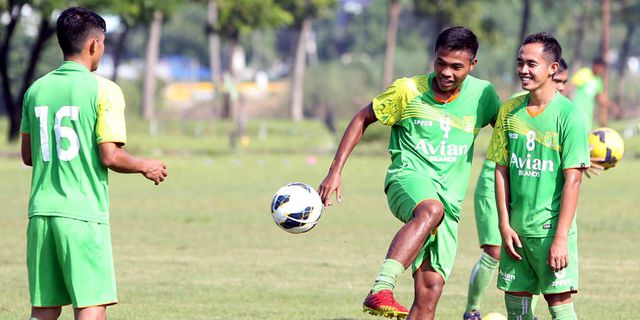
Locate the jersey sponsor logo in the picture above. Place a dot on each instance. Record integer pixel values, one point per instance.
(423, 123)
(442, 152)
(560, 278)
(508, 277)
(513, 135)
(529, 167)
(547, 226)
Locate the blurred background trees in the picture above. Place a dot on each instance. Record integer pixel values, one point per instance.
(296, 59)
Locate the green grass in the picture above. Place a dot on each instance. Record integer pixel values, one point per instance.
(203, 244)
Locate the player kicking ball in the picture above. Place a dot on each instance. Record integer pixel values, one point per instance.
(434, 120)
(541, 151)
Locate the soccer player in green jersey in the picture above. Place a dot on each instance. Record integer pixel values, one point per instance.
(486, 214)
(589, 89)
(73, 130)
(434, 120)
(540, 151)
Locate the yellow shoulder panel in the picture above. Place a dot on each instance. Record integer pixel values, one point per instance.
(111, 124)
(389, 105)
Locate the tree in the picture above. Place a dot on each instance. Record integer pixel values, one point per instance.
(46, 29)
(215, 52)
(392, 31)
(237, 17)
(630, 14)
(304, 11)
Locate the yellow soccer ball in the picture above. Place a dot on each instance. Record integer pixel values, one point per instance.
(607, 144)
(494, 316)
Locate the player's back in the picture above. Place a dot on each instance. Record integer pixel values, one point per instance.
(60, 115)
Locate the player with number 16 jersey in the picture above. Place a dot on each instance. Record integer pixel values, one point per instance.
(69, 112)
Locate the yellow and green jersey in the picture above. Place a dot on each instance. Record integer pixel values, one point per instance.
(537, 149)
(432, 138)
(67, 114)
(588, 86)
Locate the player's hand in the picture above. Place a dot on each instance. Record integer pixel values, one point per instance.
(558, 254)
(510, 241)
(331, 183)
(595, 168)
(155, 170)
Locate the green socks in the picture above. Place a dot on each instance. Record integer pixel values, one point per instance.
(480, 279)
(388, 275)
(563, 312)
(518, 308)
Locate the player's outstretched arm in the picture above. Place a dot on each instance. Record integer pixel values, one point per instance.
(117, 159)
(558, 258)
(510, 238)
(333, 181)
(25, 149)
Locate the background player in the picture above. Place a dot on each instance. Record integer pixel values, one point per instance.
(589, 89)
(486, 214)
(434, 120)
(73, 129)
(540, 150)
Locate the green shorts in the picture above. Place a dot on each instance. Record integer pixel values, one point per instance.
(69, 262)
(487, 220)
(404, 193)
(532, 274)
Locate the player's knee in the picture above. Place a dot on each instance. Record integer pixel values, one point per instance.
(49, 313)
(429, 211)
(558, 298)
(492, 251)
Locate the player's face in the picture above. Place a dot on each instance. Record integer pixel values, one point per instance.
(97, 51)
(533, 68)
(451, 68)
(560, 80)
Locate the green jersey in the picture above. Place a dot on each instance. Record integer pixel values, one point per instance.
(434, 139)
(588, 86)
(537, 149)
(67, 113)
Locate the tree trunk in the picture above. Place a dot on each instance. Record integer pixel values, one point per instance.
(119, 50)
(230, 89)
(606, 18)
(392, 31)
(7, 95)
(151, 61)
(524, 26)
(576, 59)
(297, 79)
(622, 65)
(214, 49)
(45, 31)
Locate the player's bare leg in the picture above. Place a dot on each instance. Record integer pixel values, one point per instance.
(408, 241)
(403, 250)
(46, 313)
(428, 286)
(561, 305)
(91, 313)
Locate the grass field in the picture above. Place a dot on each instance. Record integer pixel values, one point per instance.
(203, 244)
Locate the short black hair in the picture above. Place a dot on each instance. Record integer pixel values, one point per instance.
(75, 25)
(550, 45)
(599, 61)
(458, 39)
(563, 65)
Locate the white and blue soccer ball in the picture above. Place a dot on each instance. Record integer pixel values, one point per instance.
(296, 207)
